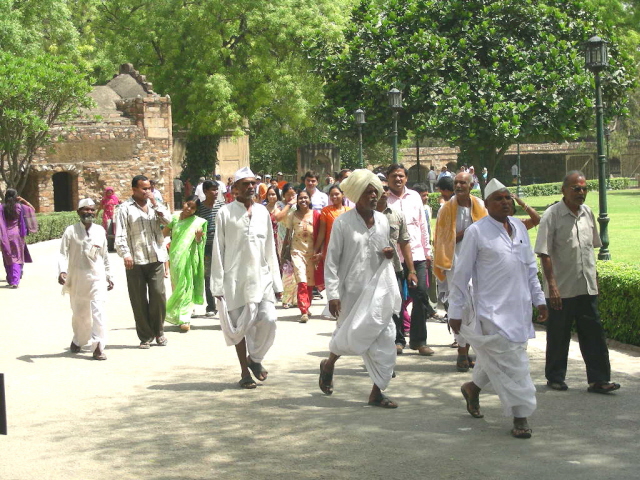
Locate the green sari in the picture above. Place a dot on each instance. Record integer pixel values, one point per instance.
(187, 268)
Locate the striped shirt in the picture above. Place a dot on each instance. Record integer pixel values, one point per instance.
(139, 234)
(209, 214)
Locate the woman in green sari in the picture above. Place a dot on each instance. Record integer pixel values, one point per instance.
(186, 256)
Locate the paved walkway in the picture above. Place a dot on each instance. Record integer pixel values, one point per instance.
(175, 412)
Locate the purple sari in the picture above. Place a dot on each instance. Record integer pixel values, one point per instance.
(12, 241)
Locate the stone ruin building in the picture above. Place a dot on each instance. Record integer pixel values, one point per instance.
(127, 133)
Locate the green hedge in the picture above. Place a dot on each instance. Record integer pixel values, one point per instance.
(52, 226)
(618, 302)
(541, 189)
(545, 189)
(619, 286)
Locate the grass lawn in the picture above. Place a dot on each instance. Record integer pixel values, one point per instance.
(624, 227)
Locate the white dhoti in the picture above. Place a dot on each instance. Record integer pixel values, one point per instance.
(367, 329)
(89, 321)
(468, 316)
(504, 365)
(255, 321)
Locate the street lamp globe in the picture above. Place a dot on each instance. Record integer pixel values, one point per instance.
(395, 99)
(359, 114)
(595, 54)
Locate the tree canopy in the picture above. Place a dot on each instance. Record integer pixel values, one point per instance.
(480, 74)
(35, 92)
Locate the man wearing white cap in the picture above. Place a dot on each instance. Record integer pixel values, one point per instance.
(454, 218)
(83, 270)
(245, 278)
(362, 288)
(497, 255)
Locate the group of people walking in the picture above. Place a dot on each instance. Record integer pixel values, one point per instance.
(362, 245)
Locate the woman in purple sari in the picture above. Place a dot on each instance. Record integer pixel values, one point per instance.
(17, 220)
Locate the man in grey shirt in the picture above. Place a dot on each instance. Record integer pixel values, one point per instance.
(399, 238)
(139, 241)
(566, 238)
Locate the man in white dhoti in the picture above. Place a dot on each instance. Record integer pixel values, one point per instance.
(362, 288)
(83, 270)
(245, 277)
(496, 255)
(454, 218)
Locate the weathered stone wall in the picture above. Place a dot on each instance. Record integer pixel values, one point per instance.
(108, 153)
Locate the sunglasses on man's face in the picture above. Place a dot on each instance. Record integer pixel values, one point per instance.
(385, 188)
(578, 189)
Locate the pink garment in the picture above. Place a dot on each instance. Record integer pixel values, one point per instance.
(12, 240)
(108, 203)
(410, 204)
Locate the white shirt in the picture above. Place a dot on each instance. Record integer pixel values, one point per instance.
(199, 193)
(319, 200)
(83, 257)
(514, 170)
(222, 189)
(244, 263)
(505, 279)
(353, 256)
(432, 176)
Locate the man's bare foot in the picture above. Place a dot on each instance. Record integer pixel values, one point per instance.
(326, 377)
(471, 394)
(521, 428)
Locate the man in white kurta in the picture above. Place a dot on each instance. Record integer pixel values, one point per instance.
(362, 288)
(245, 277)
(496, 255)
(454, 218)
(83, 270)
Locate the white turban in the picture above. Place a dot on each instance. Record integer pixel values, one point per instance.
(85, 202)
(493, 186)
(355, 184)
(244, 172)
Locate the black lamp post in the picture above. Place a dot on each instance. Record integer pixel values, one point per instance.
(359, 114)
(596, 60)
(395, 102)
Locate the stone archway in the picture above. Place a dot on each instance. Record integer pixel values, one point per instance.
(63, 188)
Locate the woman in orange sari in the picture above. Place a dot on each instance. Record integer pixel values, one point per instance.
(327, 217)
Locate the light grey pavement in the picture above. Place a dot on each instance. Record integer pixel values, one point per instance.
(176, 412)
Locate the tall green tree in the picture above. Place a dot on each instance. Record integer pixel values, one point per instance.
(224, 61)
(35, 92)
(480, 74)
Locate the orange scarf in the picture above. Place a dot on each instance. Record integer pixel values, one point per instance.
(445, 235)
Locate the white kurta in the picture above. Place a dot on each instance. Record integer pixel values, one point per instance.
(504, 273)
(245, 272)
(244, 263)
(364, 281)
(83, 257)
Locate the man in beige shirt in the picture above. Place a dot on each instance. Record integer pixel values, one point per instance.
(565, 243)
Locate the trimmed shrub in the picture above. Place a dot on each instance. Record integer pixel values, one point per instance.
(619, 301)
(540, 189)
(545, 189)
(51, 226)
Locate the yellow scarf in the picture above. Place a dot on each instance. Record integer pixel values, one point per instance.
(445, 235)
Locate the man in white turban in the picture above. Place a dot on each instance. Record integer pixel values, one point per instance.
(83, 270)
(362, 288)
(245, 278)
(497, 255)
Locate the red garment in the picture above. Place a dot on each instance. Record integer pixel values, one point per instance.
(305, 294)
(318, 273)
